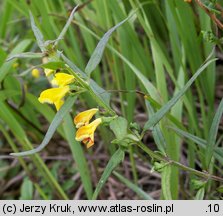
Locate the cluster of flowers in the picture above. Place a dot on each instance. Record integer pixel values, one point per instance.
(55, 95)
(85, 132)
(61, 87)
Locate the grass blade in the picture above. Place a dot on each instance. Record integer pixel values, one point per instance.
(213, 134)
(157, 133)
(198, 140)
(166, 108)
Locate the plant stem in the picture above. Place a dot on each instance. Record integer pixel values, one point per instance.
(175, 163)
(87, 86)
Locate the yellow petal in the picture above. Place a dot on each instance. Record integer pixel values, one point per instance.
(62, 79)
(54, 96)
(48, 71)
(35, 73)
(83, 118)
(88, 142)
(58, 104)
(86, 133)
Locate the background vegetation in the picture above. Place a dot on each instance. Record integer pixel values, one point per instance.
(154, 53)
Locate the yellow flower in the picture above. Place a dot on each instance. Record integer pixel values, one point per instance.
(62, 79)
(86, 133)
(35, 73)
(48, 71)
(54, 96)
(83, 118)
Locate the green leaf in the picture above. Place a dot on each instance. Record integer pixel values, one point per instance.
(119, 127)
(172, 118)
(157, 133)
(198, 140)
(218, 151)
(198, 184)
(53, 126)
(7, 116)
(166, 108)
(26, 190)
(63, 32)
(142, 194)
(38, 34)
(213, 134)
(98, 52)
(116, 158)
(53, 65)
(5, 94)
(220, 189)
(25, 55)
(165, 182)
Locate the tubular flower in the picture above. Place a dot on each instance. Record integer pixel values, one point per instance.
(54, 96)
(86, 133)
(83, 118)
(62, 79)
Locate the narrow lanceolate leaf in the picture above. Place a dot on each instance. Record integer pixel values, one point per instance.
(38, 34)
(166, 108)
(63, 32)
(157, 133)
(116, 158)
(25, 55)
(142, 194)
(53, 126)
(218, 151)
(213, 133)
(198, 140)
(98, 52)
